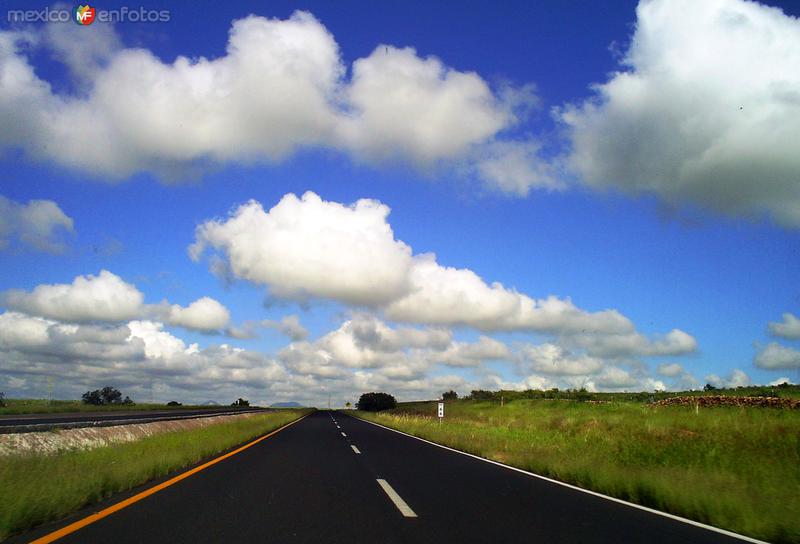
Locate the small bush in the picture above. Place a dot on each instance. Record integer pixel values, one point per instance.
(241, 402)
(450, 395)
(2, 400)
(174, 403)
(376, 402)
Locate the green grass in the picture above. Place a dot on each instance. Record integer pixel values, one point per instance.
(37, 489)
(44, 406)
(734, 468)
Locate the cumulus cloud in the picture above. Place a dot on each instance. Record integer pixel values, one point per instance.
(737, 378)
(776, 356)
(365, 342)
(467, 354)
(308, 247)
(204, 314)
(410, 107)
(718, 128)
(788, 328)
(280, 86)
(130, 354)
(516, 167)
(106, 297)
(634, 344)
(670, 370)
(289, 326)
(39, 224)
(555, 360)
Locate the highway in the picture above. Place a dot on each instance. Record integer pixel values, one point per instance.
(23, 422)
(331, 478)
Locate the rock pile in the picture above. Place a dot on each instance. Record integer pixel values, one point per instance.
(722, 400)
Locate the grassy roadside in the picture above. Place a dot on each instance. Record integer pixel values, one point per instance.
(44, 406)
(37, 489)
(734, 468)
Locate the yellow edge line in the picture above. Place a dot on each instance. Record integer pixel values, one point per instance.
(97, 516)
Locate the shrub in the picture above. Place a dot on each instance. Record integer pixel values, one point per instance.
(375, 402)
(240, 402)
(450, 395)
(2, 399)
(174, 403)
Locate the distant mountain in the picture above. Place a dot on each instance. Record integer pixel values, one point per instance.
(291, 404)
(210, 403)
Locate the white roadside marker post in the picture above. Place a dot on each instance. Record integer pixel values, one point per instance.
(441, 412)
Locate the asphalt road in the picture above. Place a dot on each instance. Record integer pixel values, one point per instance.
(308, 484)
(58, 419)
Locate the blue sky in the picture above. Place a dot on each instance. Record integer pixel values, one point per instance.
(571, 150)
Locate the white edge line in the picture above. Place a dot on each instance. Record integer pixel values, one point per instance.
(355, 449)
(398, 501)
(576, 488)
(344, 435)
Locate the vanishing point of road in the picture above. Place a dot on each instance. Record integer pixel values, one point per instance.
(332, 478)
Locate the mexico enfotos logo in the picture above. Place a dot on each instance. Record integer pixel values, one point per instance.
(85, 14)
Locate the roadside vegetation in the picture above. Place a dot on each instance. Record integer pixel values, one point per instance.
(39, 488)
(737, 468)
(44, 406)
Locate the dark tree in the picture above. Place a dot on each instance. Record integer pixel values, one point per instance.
(450, 395)
(174, 403)
(106, 395)
(375, 402)
(2, 399)
(481, 394)
(127, 401)
(709, 387)
(240, 402)
(111, 395)
(93, 397)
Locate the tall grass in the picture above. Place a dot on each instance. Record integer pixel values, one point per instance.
(35, 489)
(735, 468)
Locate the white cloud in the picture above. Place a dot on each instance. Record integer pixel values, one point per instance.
(289, 326)
(308, 247)
(39, 224)
(108, 298)
(670, 370)
(467, 354)
(405, 106)
(634, 344)
(651, 384)
(516, 167)
(705, 109)
(280, 86)
(737, 378)
(775, 356)
(780, 381)
(788, 328)
(555, 360)
(617, 378)
(132, 356)
(204, 314)
(450, 296)
(105, 297)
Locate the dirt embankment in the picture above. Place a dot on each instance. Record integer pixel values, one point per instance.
(52, 442)
(722, 400)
